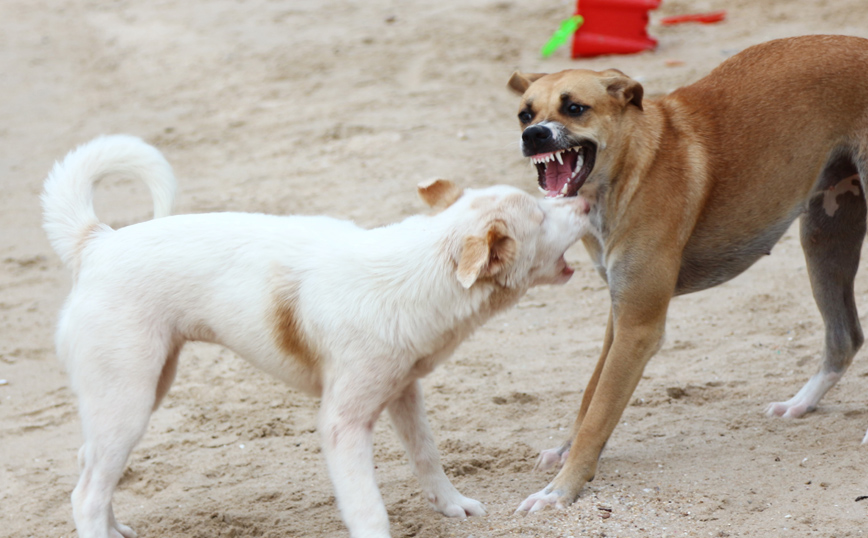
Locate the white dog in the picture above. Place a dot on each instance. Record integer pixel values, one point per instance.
(355, 316)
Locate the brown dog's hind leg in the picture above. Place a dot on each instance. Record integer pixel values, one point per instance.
(832, 231)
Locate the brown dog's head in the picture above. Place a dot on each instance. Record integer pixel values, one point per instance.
(567, 118)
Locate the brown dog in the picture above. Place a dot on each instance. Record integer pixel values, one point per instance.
(689, 190)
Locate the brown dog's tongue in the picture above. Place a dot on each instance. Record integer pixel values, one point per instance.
(557, 175)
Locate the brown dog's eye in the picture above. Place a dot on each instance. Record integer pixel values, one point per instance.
(574, 109)
(525, 116)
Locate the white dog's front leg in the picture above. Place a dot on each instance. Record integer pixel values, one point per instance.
(408, 414)
(346, 426)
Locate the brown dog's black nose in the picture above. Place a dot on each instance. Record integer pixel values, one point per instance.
(536, 139)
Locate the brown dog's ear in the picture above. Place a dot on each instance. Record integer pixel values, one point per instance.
(439, 193)
(519, 82)
(486, 256)
(624, 88)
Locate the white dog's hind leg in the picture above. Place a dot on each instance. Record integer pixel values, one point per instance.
(346, 423)
(408, 414)
(117, 391)
(113, 426)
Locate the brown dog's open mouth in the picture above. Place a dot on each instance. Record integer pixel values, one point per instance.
(563, 172)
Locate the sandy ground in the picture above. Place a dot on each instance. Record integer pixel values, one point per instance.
(340, 108)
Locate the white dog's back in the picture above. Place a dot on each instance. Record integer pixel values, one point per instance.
(226, 287)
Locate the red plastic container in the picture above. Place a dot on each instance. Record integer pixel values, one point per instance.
(613, 27)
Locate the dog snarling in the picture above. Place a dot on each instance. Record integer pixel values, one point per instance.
(563, 172)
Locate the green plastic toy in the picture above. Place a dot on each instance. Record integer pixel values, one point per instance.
(562, 34)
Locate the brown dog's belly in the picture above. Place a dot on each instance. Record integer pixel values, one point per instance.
(711, 260)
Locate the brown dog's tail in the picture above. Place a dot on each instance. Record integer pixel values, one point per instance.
(67, 198)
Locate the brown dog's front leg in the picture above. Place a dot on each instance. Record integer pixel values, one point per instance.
(637, 335)
(555, 457)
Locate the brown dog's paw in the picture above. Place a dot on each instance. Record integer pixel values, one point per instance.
(551, 458)
(541, 500)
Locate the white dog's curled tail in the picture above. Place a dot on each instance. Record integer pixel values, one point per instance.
(67, 199)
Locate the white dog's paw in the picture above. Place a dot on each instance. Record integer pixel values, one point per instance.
(119, 530)
(122, 531)
(551, 458)
(865, 439)
(794, 408)
(454, 504)
(540, 500)
(125, 531)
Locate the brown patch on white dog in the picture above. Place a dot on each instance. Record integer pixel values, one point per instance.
(287, 325)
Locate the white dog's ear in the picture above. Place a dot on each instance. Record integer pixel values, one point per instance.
(439, 193)
(519, 82)
(486, 256)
